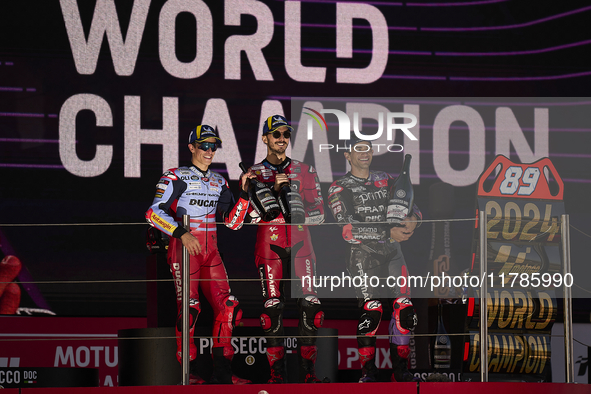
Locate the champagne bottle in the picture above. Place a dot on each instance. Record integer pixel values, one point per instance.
(291, 202)
(283, 198)
(262, 199)
(296, 206)
(442, 348)
(401, 195)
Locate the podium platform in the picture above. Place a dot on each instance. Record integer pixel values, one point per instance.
(335, 388)
(147, 356)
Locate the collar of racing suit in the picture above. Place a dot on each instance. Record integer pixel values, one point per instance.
(279, 167)
(361, 180)
(196, 170)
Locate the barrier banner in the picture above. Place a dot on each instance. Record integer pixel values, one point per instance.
(55, 351)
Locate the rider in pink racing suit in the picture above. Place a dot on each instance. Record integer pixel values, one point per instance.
(278, 245)
(197, 191)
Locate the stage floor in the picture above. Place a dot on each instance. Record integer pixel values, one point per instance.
(331, 388)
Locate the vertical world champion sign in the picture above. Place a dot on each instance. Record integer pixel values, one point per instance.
(523, 204)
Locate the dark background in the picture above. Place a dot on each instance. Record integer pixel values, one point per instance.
(35, 55)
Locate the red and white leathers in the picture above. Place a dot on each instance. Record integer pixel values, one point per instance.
(189, 191)
(285, 251)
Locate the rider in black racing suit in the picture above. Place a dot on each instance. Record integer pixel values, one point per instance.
(360, 203)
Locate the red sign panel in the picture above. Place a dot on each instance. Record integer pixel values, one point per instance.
(29, 342)
(515, 180)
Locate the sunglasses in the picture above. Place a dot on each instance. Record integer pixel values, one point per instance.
(205, 146)
(277, 134)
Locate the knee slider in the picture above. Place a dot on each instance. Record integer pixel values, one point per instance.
(311, 314)
(404, 315)
(232, 312)
(271, 316)
(370, 318)
(403, 351)
(194, 310)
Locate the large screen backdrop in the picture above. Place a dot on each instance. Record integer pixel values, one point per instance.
(97, 99)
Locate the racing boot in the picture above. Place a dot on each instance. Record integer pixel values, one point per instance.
(222, 367)
(399, 356)
(276, 357)
(10, 292)
(367, 356)
(194, 377)
(307, 360)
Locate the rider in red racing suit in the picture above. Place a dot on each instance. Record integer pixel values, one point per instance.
(197, 191)
(359, 200)
(277, 243)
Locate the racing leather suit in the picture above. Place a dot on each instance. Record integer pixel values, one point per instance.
(278, 246)
(361, 206)
(189, 191)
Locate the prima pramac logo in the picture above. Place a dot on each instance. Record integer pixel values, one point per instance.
(345, 128)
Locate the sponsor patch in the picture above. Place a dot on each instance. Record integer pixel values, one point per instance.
(162, 186)
(335, 189)
(271, 302)
(381, 183)
(169, 174)
(315, 219)
(162, 223)
(203, 203)
(262, 276)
